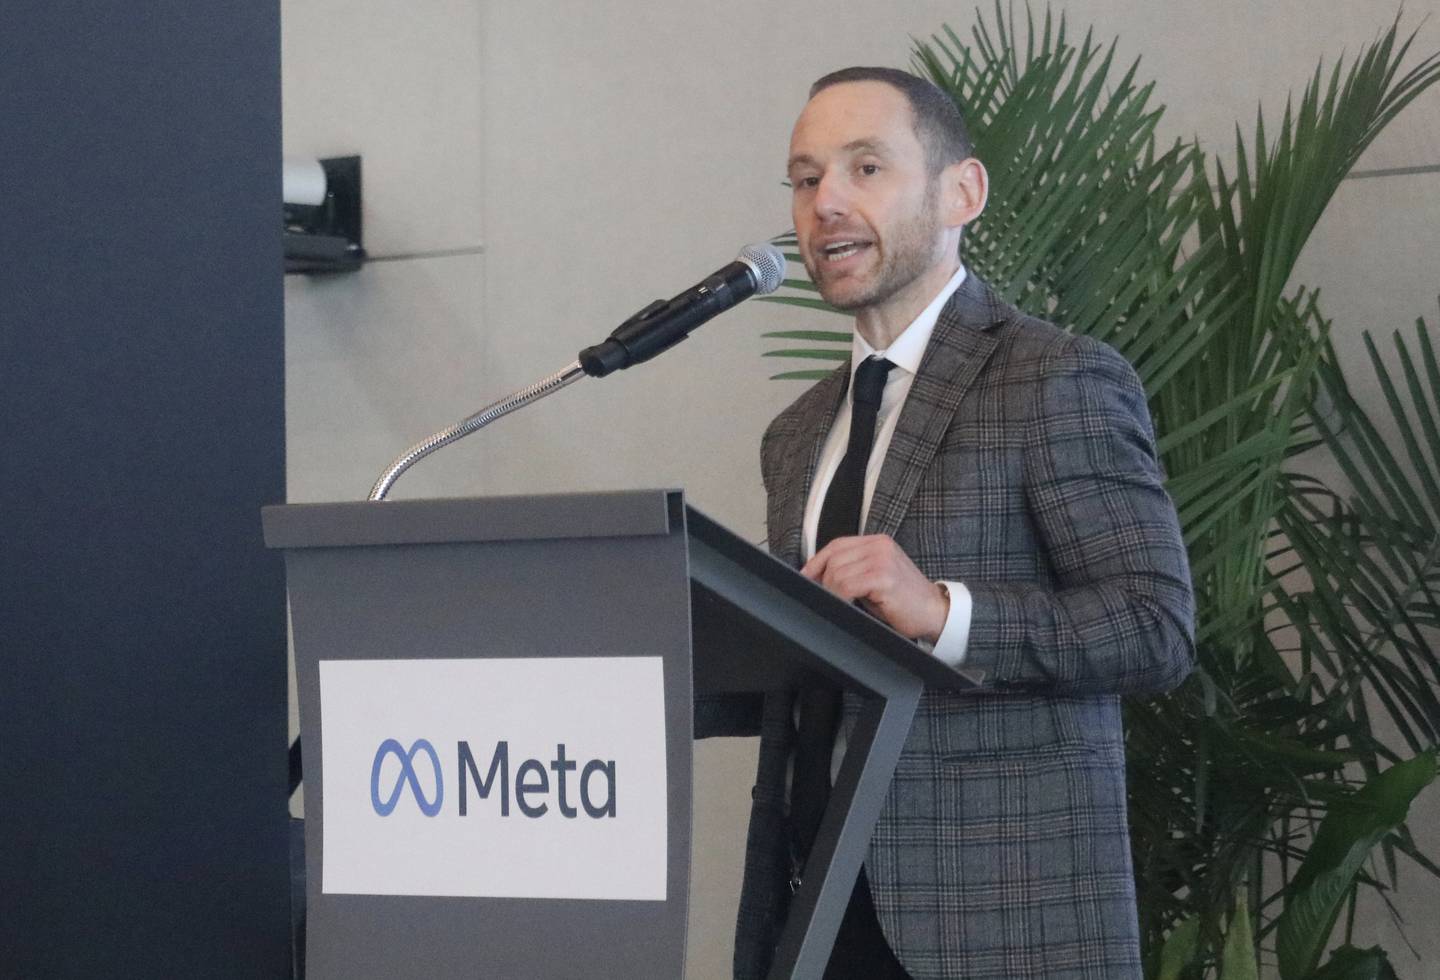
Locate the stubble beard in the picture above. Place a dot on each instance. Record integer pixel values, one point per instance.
(906, 254)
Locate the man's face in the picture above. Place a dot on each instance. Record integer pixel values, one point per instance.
(865, 204)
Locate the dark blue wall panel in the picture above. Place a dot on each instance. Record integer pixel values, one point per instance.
(142, 634)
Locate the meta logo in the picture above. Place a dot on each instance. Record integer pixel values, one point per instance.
(407, 776)
(532, 788)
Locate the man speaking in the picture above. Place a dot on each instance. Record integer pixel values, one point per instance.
(987, 484)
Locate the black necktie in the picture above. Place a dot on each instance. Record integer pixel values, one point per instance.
(839, 516)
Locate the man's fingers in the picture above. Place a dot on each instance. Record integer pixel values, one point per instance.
(853, 566)
(847, 563)
(839, 548)
(815, 567)
(856, 575)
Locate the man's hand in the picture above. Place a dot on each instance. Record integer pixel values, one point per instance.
(874, 570)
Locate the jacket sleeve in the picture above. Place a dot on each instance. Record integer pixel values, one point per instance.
(1119, 616)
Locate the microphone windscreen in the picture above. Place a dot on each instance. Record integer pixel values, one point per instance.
(768, 264)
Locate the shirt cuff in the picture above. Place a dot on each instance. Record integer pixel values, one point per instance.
(954, 638)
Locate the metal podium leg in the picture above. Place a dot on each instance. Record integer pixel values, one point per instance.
(865, 773)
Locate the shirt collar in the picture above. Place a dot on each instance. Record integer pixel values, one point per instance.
(909, 348)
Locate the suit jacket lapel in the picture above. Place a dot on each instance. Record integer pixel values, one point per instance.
(959, 347)
(817, 414)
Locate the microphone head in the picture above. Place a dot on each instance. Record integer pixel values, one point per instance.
(768, 264)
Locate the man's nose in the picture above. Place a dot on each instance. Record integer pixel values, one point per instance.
(832, 198)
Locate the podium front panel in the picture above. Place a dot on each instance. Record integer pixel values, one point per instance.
(588, 595)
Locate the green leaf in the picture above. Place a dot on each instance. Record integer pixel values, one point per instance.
(1342, 843)
(1179, 949)
(1349, 963)
(815, 354)
(827, 336)
(799, 376)
(1237, 962)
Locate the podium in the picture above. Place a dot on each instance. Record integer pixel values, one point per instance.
(438, 642)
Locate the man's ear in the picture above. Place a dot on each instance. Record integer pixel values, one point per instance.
(966, 187)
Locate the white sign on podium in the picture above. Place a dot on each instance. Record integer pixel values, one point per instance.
(506, 778)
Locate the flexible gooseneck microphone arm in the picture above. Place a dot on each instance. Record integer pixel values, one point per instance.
(660, 326)
(545, 386)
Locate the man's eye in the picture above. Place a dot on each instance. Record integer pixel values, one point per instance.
(869, 169)
(807, 182)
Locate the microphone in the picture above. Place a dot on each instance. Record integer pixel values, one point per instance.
(757, 271)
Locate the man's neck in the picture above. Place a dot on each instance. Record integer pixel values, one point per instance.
(882, 323)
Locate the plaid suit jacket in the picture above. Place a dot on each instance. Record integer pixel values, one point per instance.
(1023, 465)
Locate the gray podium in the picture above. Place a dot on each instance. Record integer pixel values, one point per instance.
(535, 576)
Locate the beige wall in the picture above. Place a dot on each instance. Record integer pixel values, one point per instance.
(535, 172)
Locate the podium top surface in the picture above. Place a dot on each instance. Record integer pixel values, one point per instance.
(629, 513)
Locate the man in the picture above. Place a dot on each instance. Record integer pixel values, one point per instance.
(1014, 519)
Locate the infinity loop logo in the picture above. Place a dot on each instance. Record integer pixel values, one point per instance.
(407, 775)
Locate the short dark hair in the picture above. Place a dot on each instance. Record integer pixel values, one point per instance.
(937, 120)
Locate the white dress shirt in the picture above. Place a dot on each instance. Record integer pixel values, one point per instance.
(905, 353)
